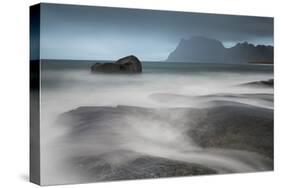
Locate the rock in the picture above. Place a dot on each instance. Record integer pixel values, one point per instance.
(224, 124)
(268, 83)
(226, 130)
(128, 64)
(138, 167)
(105, 67)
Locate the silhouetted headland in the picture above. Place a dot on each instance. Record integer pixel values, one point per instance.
(207, 50)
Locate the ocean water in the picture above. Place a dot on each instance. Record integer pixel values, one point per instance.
(68, 85)
(68, 80)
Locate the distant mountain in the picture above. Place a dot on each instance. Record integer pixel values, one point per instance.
(206, 50)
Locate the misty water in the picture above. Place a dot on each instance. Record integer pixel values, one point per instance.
(68, 86)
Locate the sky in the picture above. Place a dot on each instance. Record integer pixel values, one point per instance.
(99, 33)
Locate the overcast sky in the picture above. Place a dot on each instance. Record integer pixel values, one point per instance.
(86, 32)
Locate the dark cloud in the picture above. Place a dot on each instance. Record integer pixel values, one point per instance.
(91, 32)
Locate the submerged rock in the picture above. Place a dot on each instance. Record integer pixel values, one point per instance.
(128, 64)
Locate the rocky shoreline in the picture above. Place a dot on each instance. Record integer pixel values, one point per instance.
(245, 132)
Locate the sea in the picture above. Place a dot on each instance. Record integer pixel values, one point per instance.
(67, 85)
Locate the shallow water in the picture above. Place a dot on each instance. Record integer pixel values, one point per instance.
(68, 86)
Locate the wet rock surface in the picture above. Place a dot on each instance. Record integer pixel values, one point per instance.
(128, 64)
(225, 125)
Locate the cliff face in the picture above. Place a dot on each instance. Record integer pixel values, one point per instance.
(206, 50)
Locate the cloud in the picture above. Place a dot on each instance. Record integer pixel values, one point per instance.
(85, 32)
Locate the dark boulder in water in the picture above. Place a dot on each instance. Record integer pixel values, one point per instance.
(128, 64)
(268, 83)
(105, 67)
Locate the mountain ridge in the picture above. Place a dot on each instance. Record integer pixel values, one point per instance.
(208, 50)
